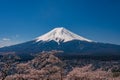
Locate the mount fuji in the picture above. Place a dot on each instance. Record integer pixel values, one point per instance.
(61, 35)
(66, 41)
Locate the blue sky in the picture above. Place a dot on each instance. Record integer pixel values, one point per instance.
(24, 20)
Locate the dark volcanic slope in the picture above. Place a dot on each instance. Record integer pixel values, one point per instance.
(75, 47)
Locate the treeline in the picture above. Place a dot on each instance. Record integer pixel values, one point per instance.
(90, 57)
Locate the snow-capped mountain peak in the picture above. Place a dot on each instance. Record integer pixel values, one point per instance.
(61, 35)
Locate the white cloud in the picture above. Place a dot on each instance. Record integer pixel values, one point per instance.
(6, 39)
(5, 42)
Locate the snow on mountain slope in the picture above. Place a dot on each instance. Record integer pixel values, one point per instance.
(61, 35)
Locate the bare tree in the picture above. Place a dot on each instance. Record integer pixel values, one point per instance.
(7, 61)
